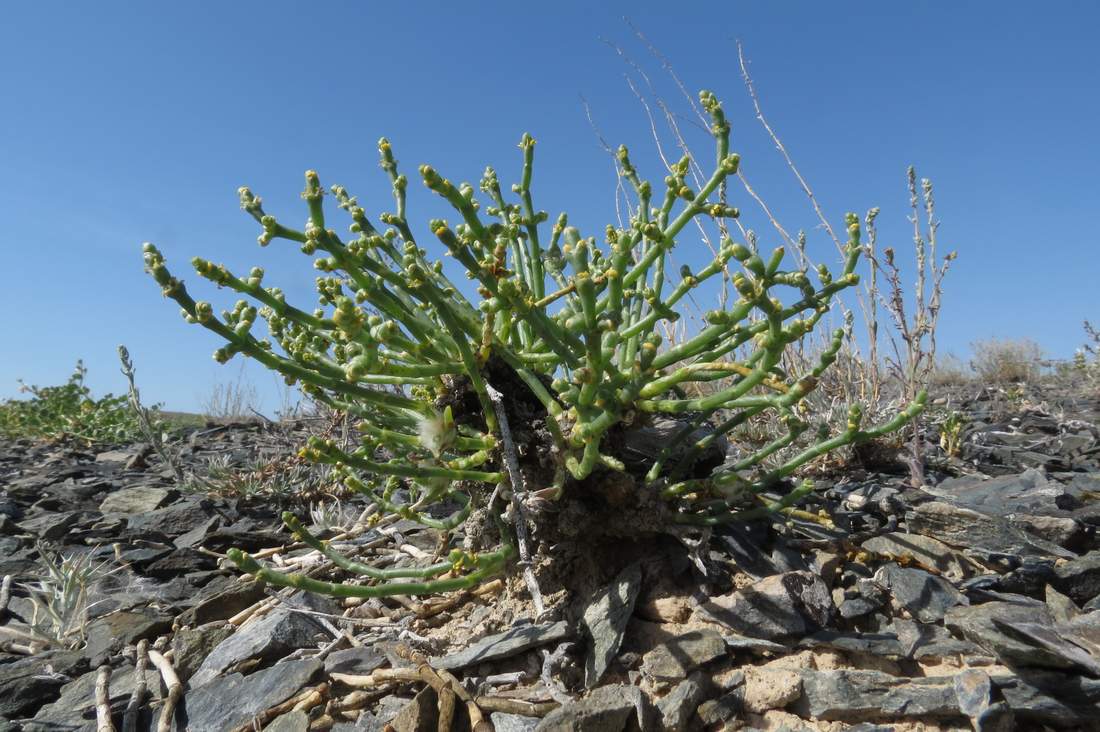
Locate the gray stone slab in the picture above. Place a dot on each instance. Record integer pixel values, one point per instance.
(502, 645)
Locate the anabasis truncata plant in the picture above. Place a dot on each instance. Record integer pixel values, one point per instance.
(566, 328)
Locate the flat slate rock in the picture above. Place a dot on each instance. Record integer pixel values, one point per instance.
(979, 533)
(784, 605)
(848, 695)
(141, 499)
(236, 699)
(984, 624)
(925, 596)
(276, 634)
(609, 708)
(502, 645)
(677, 657)
(1028, 492)
(605, 619)
(928, 551)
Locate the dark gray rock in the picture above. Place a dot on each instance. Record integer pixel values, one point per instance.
(1059, 640)
(735, 642)
(179, 518)
(1079, 578)
(979, 700)
(604, 620)
(921, 640)
(777, 607)
(75, 708)
(51, 526)
(928, 551)
(379, 719)
(294, 721)
(676, 658)
(421, 714)
(136, 500)
(678, 706)
(1029, 492)
(236, 699)
(358, 661)
(27, 683)
(860, 695)
(979, 624)
(503, 645)
(875, 644)
(190, 646)
(925, 596)
(611, 708)
(107, 635)
(276, 634)
(989, 538)
(222, 604)
(1048, 697)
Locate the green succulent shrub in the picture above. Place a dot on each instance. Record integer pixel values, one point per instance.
(565, 327)
(68, 410)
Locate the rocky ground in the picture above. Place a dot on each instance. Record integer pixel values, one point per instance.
(971, 603)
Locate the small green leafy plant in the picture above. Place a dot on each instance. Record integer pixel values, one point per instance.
(568, 329)
(68, 410)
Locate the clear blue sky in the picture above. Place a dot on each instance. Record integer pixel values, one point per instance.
(129, 122)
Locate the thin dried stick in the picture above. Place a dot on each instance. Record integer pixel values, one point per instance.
(103, 721)
(519, 492)
(174, 687)
(783, 150)
(5, 594)
(137, 697)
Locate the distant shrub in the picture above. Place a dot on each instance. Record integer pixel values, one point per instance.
(68, 410)
(1006, 361)
(950, 371)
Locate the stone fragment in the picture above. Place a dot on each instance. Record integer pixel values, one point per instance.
(178, 518)
(676, 658)
(978, 624)
(875, 644)
(1058, 641)
(989, 538)
(678, 706)
(222, 604)
(269, 637)
(1061, 530)
(107, 635)
(605, 709)
(190, 646)
(977, 700)
(503, 722)
(604, 620)
(921, 640)
(502, 645)
(719, 711)
(359, 661)
(926, 550)
(236, 699)
(1029, 492)
(293, 721)
(142, 499)
(1051, 698)
(849, 695)
(925, 596)
(28, 682)
(1079, 578)
(421, 714)
(75, 708)
(795, 603)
